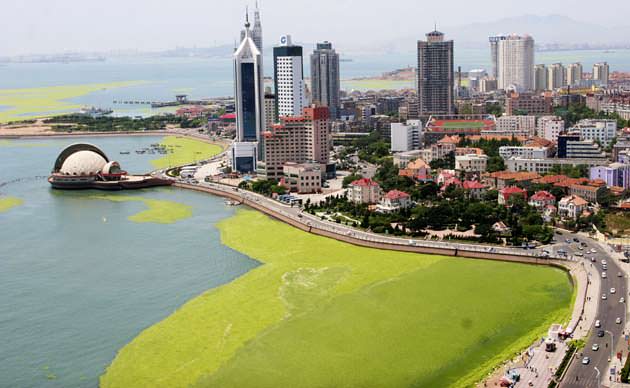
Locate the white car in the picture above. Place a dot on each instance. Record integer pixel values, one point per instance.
(604, 275)
(586, 361)
(622, 300)
(604, 262)
(618, 321)
(593, 251)
(598, 323)
(612, 290)
(604, 297)
(595, 347)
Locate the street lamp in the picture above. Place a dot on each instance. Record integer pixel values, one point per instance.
(599, 384)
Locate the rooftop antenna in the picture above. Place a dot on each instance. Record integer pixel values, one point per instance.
(247, 17)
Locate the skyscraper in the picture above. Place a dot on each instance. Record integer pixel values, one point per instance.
(325, 78)
(494, 54)
(249, 103)
(435, 75)
(256, 32)
(556, 77)
(540, 78)
(601, 72)
(288, 78)
(574, 74)
(516, 63)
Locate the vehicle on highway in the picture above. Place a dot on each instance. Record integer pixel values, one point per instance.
(593, 259)
(622, 300)
(612, 290)
(583, 244)
(604, 262)
(576, 239)
(568, 240)
(586, 361)
(604, 267)
(579, 254)
(595, 347)
(593, 250)
(618, 320)
(619, 275)
(604, 297)
(580, 248)
(598, 323)
(604, 275)
(559, 232)
(600, 333)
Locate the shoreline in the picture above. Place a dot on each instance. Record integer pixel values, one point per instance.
(575, 273)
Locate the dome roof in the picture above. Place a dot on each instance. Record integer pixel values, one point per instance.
(112, 168)
(83, 162)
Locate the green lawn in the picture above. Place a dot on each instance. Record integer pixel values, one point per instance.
(29, 103)
(457, 125)
(186, 151)
(321, 313)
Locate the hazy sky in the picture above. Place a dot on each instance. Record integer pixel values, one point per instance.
(41, 26)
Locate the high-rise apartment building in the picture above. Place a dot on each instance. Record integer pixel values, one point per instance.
(574, 74)
(494, 54)
(516, 63)
(297, 139)
(406, 136)
(435, 75)
(249, 103)
(288, 78)
(325, 82)
(556, 77)
(270, 110)
(601, 72)
(540, 78)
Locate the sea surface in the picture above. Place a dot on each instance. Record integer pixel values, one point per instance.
(79, 280)
(212, 77)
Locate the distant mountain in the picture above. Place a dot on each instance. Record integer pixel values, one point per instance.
(546, 30)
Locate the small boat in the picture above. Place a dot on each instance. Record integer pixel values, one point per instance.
(124, 152)
(232, 203)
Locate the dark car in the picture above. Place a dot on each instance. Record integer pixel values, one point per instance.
(576, 239)
(600, 333)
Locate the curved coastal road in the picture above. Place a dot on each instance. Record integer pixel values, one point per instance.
(581, 375)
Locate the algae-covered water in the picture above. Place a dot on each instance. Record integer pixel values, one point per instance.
(82, 273)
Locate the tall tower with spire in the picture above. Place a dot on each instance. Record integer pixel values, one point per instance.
(248, 101)
(256, 31)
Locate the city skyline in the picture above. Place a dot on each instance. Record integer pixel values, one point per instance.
(53, 28)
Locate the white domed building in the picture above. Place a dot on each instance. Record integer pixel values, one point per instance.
(85, 166)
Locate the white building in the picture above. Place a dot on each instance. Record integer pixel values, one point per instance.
(289, 78)
(393, 201)
(601, 72)
(471, 163)
(574, 74)
(406, 137)
(515, 63)
(517, 124)
(546, 165)
(602, 131)
(302, 178)
(549, 127)
(571, 206)
(556, 76)
(364, 190)
(507, 152)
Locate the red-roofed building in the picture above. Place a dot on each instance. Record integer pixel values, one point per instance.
(364, 190)
(191, 112)
(572, 206)
(418, 170)
(474, 188)
(393, 201)
(450, 182)
(541, 199)
(508, 193)
(228, 117)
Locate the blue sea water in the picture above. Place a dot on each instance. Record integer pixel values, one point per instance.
(78, 280)
(212, 77)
